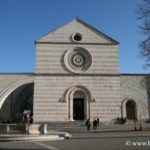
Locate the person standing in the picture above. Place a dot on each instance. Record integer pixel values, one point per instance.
(88, 124)
(94, 124)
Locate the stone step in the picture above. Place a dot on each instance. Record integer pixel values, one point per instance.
(68, 123)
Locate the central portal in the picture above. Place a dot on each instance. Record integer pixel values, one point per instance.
(78, 103)
(78, 109)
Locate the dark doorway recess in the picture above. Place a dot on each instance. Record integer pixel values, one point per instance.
(131, 110)
(78, 108)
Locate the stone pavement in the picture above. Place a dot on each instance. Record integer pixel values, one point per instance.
(103, 131)
(78, 130)
(80, 127)
(106, 137)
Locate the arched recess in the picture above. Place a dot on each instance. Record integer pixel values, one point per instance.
(129, 109)
(82, 94)
(15, 99)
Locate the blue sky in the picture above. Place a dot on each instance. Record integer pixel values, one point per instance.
(24, 21)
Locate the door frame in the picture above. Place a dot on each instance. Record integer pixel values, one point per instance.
(69, 97)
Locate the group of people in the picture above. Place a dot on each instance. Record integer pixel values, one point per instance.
(95, 124)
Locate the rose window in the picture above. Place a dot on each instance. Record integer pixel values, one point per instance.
(77, 60)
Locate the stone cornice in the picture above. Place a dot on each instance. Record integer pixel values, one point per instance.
(16, 73)
(59, 74)
(70, 43)
(62, 74)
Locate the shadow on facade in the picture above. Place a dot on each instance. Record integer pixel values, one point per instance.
(16, 103)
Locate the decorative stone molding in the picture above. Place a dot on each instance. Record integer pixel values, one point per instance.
(69, 99)
(77, 60)
(93, 100)
(63, 100)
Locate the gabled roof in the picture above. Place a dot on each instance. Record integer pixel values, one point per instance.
(62, 34)
(97, 31)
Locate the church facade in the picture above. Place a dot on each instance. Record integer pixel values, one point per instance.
(76, 77)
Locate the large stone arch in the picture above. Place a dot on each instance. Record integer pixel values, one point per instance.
(69, 98)
(15, 95)
(9, 89)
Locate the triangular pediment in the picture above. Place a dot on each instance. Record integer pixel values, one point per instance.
(65, 33)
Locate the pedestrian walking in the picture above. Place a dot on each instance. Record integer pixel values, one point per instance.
(88, 124)
(94, 125)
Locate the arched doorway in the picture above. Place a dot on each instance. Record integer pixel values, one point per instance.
(131, 110)
(79, 105)
(78, 98)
